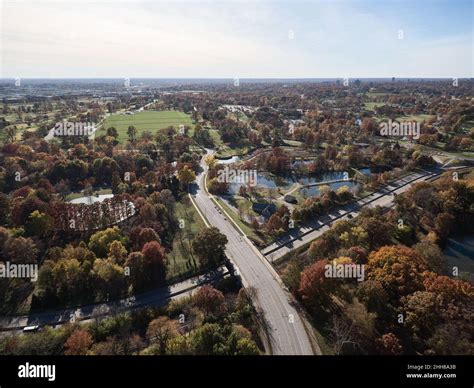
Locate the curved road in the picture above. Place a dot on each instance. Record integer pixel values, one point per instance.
(286, 331)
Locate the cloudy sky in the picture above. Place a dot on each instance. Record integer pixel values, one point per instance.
(242, 39)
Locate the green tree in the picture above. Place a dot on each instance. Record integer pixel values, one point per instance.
(38, 224)
(132, 133)
(100, 241)
(209, 245)
(110, 276)
(112, 131)
(186, 176)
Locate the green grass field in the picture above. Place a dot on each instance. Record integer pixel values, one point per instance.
(376, 94)
(22, 127)
(216, 137)
(373, 105)
(72, 196)
(147, 121)
(181, 261)
(418, 118)
(246, 228)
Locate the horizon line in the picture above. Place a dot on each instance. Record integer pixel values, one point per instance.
(239, 78)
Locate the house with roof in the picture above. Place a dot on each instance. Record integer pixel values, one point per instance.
(266, 209)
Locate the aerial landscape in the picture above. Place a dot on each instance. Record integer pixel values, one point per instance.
(244, 200)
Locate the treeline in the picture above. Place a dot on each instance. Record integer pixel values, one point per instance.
(214, 321)
(409, 301)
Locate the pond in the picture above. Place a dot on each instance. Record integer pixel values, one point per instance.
(329, 176)
(274, 182)
(233, 159)
(89, 200)
(265, 181)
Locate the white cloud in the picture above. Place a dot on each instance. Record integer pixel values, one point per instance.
(200, 39)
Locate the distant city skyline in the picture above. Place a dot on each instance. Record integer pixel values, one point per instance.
(243, 39)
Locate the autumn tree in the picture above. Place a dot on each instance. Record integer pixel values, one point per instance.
(213, 339)
(421, 313)
(448, 340)
(117, 252)
(210, 161)
(399, 269)
(216, 187)
(355, 236)
(20, 250)
(315, 288)
(210, 300)
(38, 224)
(378, 229)
(110, 278)
(433, 255)
(374, 296)
(275, 225)
(186, 176)
(209, 245)
(389, 344)
(146, 235)
(140, 277)
(162, 330)
(100, 241)
(78, 344)
(155, 260)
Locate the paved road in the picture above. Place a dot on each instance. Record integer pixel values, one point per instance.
(384, 198)
(287, 334)
(152, 298)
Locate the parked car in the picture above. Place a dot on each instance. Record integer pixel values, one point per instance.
(30, 329)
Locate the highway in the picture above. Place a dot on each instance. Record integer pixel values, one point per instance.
(286, 332)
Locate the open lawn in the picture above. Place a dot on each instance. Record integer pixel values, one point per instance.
(22, 127)
(372, 105)
(76, 195)
(246, 228)
(227, 152)
(181, 261)
(376, 94)
(216, 137)
(418, 118)
(147, 121)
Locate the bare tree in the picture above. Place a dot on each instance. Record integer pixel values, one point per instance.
(341, 333)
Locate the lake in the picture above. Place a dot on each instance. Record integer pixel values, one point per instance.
(274, 182)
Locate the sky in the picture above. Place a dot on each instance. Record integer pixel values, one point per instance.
(236, 39)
